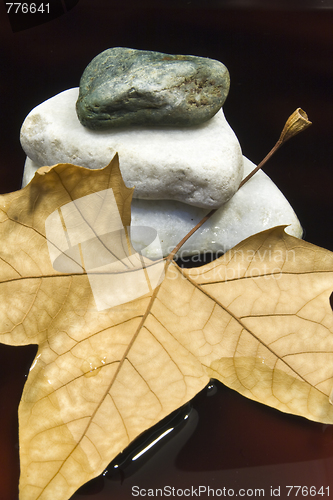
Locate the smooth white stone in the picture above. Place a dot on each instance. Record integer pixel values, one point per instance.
(200, 165)
(257, 206)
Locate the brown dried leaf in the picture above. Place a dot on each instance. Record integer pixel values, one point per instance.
(258, 319)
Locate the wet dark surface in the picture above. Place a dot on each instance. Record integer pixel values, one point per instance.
(278, 60)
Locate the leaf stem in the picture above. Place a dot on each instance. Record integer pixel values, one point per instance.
(189, 234)
(297, 122)
(261, 164)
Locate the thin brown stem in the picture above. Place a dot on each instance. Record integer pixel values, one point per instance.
(297, 122)
(212, 212)
(261, 164)
(189, 234)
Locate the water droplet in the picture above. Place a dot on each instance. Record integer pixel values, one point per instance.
(211, 389)
(92, 365)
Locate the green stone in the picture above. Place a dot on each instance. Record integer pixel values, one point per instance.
(124, 87)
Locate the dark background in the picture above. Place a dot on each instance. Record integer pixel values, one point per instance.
(280, 57)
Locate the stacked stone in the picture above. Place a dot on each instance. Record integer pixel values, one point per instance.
(163, 115)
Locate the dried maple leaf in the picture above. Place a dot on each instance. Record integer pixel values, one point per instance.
(258, 319)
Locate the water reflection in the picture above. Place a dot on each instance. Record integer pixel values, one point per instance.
(220, 440)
